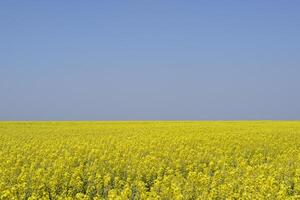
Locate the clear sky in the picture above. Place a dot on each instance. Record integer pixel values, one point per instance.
(149, 60)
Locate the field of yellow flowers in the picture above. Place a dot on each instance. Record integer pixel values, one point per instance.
(150, 160)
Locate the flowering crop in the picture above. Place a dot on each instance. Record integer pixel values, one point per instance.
(150, 160)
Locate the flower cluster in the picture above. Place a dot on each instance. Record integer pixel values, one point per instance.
(150, 160)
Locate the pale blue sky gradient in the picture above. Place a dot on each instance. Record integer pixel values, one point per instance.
(149, 60)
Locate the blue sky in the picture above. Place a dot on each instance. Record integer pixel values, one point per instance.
(149, 60)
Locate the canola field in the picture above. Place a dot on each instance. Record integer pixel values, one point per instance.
(150, 160)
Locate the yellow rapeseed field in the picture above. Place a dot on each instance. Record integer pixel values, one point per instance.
(150, 160)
